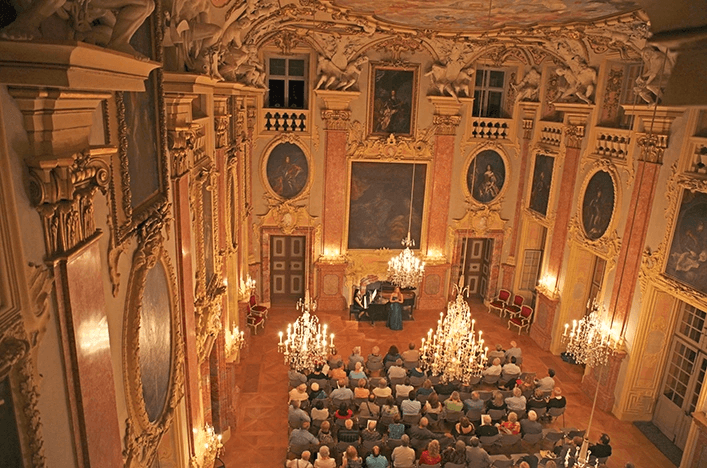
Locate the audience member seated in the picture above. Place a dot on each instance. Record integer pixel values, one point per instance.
(302, 436)
(338, 372)
(389, 408)
(369, 409)
(299, 393)
(537, 401)
(547, 383)
(325, 436)
(357, 372)
(426, 388)
(324, 460)
(374, 362)
(348, 433)
(396, 429)
(316, 393)
(513, 351)
(528, 461)
(417, 372)
(375, 459)
(317, 373)
(464, 428)
(454, 402)
(411, 355)
(397, 371)
(496, 402)
(370, 432)
(486, 429)
(355, 357)
(510, 368)
(334, 359)
(403, 456)
(531, 424)
(421, 432)
(320, 412)
(361, 390)
(497, 353)
(411, 406)
(351, 458)
(455, 454)
(392, 356)
(296, 377)
(516, 402)
(476, 456)
(301, 462)
(432, 405)
(475, 402)
(382, 390)
(511, 426)
(431, 456)
(344, 412)
(296, 415)
(443, 388)
(602, 449)
(557, 400)
(493, 369)
(403, 389)
(570, 450)
(342, 392)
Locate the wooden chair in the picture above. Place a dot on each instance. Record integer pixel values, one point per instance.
(254, 322)
(256, 309)
(523, 319)
(500, 302)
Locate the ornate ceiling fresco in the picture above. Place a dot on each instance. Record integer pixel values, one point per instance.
(482, 15)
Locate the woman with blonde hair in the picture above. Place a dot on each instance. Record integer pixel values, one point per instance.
(431, 456)
(454, 402)
(324, 460)
(511, 426)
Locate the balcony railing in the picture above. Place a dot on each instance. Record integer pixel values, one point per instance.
(612, 143)
(491, 129)
(551, 133)
(285, 120)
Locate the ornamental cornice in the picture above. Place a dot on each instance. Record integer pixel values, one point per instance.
(446, 124)
(336, 119)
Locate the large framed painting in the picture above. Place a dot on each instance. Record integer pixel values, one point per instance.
(393, 100)
(687, 259)
(380, 204)
(286, 171)
(486, 176)
(598, 205)
(140, 173)
(542, 181)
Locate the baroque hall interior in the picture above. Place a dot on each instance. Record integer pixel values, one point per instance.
(165, 165)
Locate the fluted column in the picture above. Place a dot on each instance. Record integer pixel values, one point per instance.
(576, 116)
(331, 268)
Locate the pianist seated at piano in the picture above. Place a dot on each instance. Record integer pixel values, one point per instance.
(361, 302)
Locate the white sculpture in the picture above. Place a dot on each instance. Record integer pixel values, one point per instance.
(657, 66)
(528, 87)
(337, 72)
(194, 36)
(242, 65)
(452, 78)
(581, 79)
(129, 16)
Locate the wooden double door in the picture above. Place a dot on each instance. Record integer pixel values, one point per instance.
(287, 268)
(476, 263)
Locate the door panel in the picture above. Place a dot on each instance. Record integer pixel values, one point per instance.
(476, 264)
(287, 266)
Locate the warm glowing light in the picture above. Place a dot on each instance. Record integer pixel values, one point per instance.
(93, 336)
(406, 270)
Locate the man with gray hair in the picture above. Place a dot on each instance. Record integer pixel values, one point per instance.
(476, 456)
(403, 456)
(302, 462)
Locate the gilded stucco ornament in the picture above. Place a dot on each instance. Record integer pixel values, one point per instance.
(391, 148)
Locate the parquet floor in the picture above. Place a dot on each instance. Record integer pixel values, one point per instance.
(260, 436)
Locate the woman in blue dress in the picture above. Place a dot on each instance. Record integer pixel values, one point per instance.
(395, 312)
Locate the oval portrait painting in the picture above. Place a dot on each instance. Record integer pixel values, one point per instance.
(598, 205)
(486, 176)
(287, 170)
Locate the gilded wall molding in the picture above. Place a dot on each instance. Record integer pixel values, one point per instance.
(181, 142)
(420, 148)
(446, 124)
(336, 119)
(272, 198)
(142, 436)
(208, 309)
(574, 135)
(221, 124)
(652, 147)
(494, 205)
(607, 246)
(63, 195)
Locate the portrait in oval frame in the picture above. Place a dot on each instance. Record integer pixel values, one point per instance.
(485, 176)
(598, 204)
(286, 171)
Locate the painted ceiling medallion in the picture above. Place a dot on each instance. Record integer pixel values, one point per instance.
(475, 15)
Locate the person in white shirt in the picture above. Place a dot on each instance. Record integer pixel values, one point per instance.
(513, 351)
(411, 355)
(547, 383)
(494, 369)
(403, 456)
(411, 405)
(302, 462)
(383, 390)
(517, 401)
(403, 389)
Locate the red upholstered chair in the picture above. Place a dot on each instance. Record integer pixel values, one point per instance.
(514, 308)
(501, 301)
(255, 322)
(256, 309)
(523, 319)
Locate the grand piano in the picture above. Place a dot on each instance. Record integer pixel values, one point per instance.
(378, 309)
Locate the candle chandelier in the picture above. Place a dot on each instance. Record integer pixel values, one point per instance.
(234, 342)
(405, 270)
(589, 342)
(454, 350)
(307, 343)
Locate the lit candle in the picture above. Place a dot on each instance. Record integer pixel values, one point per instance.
(567, 325)
(280, 334)
(332, 340)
